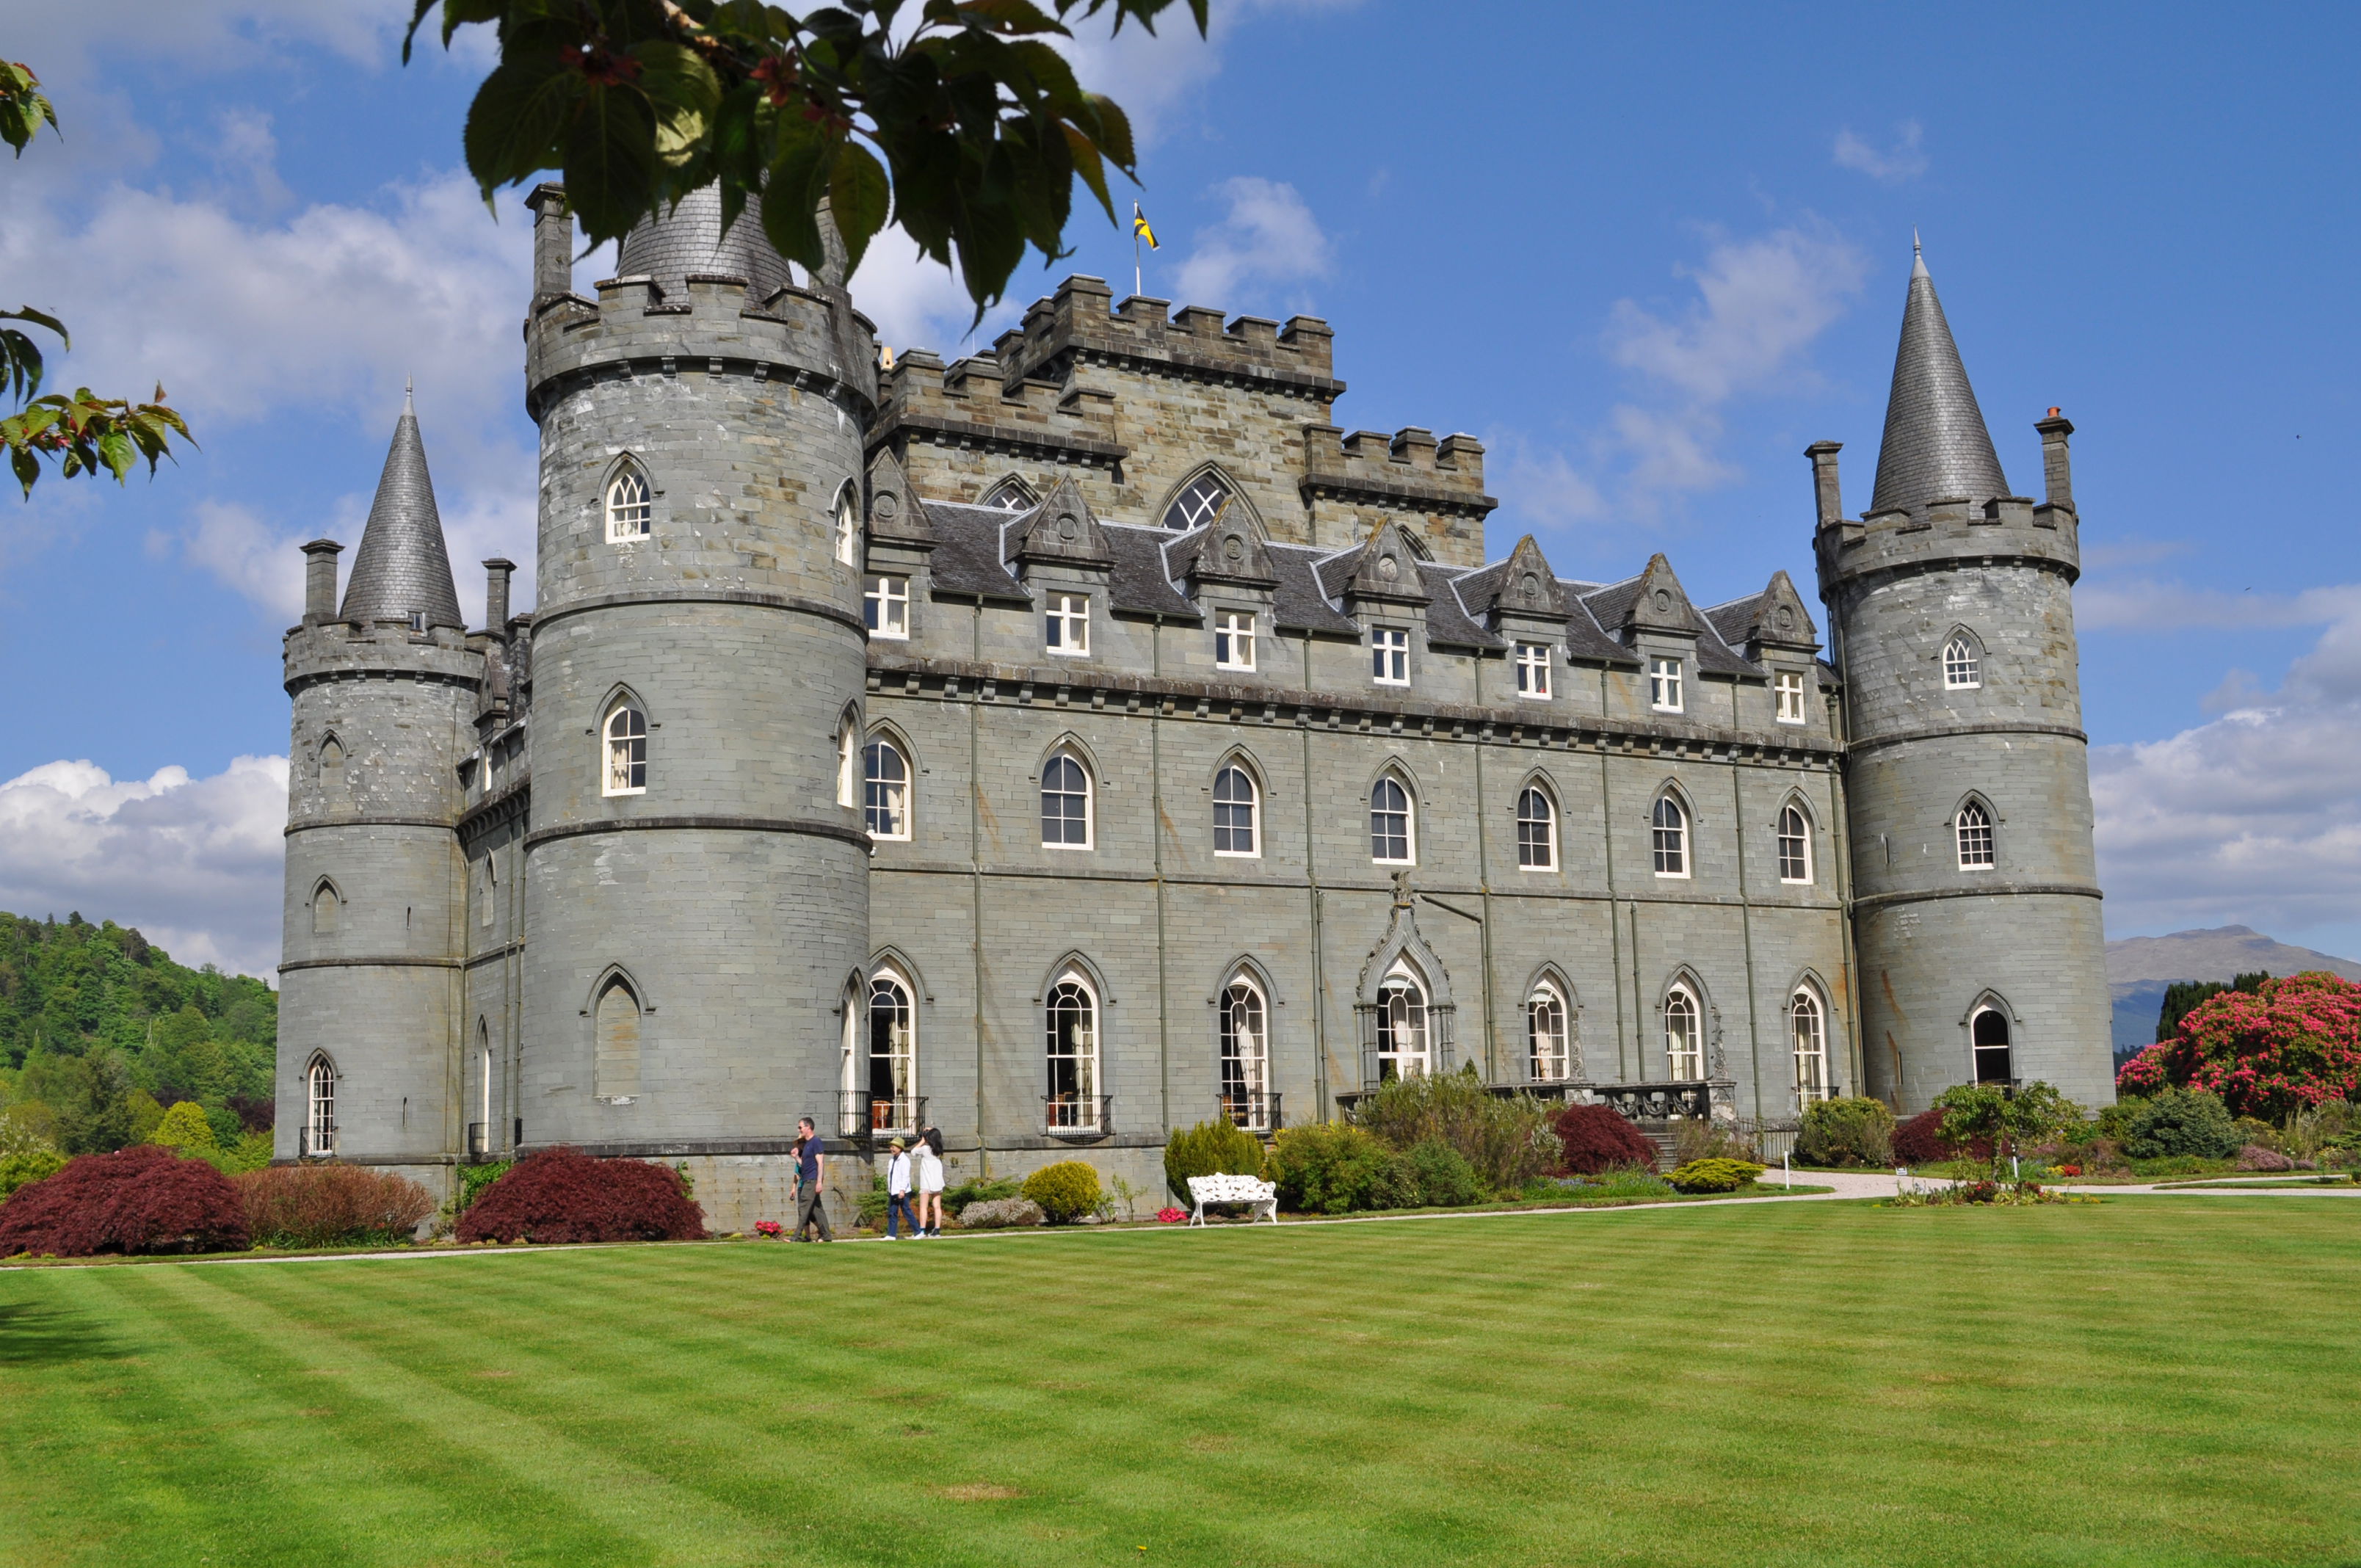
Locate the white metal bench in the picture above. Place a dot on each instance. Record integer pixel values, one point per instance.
(1260, 1197)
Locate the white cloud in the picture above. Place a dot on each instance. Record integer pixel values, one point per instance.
(2143, 605)
(919, 304)
(195, 864)
(1905, 159)
(1269, 237)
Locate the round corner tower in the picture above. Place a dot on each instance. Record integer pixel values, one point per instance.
(697, 890)
(1976, 906)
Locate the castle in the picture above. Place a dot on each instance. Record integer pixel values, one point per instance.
(1069, 744)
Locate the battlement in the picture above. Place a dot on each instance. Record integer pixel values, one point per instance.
(382, 650)
(1949, 532)
(968, 402)
(1077, 321)
(1409, 466)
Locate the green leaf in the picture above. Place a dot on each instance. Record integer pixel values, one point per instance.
(28, 466)
(114, 450)
(859, 198)
(791, 196)
(517, 117)
(611, 162)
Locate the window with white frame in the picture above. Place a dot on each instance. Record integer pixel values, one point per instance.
(627, 750)
(1197, 504)
(320, 1109)
(1065, 802)
(1072, 1016)
(1795, 845)
(1684, 1035)
(1403, 1047)
(1066, 625)
(1536, 830)
(886, 604)
(848, 764)
(893, 1086)
(1669, 827)
(1807, 1025)
(1245, 1056)
(1389, 656)
(1234, 640)
(1664, 685)
(1962, 667)
(885, 790)
(1532, 670)
(629, 505)
(1390, 839)
(1011, 494)
(1975, 831)
(1237, 813)
(1547, 1057)
(1787, 697)
(847, 524)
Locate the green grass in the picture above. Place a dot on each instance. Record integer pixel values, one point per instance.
(2141, 1382)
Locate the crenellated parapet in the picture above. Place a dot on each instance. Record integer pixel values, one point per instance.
(1949, 533)
(1079, 323)
(968, 405)
(1354, 483)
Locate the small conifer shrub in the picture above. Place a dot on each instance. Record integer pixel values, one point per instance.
(1066, 1190)
(1597, 1137)
(1218, 1147)
(564, 1195)
(144, 1199)
(187, 1128)
(1714, 1175)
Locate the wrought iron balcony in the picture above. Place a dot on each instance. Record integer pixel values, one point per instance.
(1256, 1113)
(867, 1116)
(1078, 1116)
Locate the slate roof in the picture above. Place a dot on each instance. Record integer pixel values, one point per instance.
(402, 568)
(689, 240)
(1935, 445)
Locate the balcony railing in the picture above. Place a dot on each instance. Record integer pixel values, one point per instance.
(316, 1143)
(868, 1116)
(1256, 1112)
(1078, 1116)
(1659, 1102)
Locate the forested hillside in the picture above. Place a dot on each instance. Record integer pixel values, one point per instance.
(100, 1030)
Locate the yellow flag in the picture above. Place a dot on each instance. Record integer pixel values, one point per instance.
(1140, 229)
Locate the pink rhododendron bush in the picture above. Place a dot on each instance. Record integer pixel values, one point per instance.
(2292, 1045)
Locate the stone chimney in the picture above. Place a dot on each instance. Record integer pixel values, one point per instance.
(2057, 467)
(497, 573)
(320, 581)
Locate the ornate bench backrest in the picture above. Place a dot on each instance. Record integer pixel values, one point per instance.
(1226, 1189)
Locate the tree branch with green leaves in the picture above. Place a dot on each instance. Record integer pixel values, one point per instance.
(960, 123)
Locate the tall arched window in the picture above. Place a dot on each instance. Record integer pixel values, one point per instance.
(1065, 802)
(1245, 1056)
(1975, 830)
(1671, 829)
(885, 790)
(847, 524)
(479, 1131)
(1392, 841)
(1962, 665)
(1684, 1035)
(1807, 1028)
(1988, 1031)
(630, 506)
(1073, 1103)
(849, 766)
(320, 1110)
(1197, 505)
(893, 1056)
(333, 786)
(325, 907)
(615, 1055)
(1403, 1047)
(1795, 845)
(1237, 811)
(1536, 830)
(1547, 1057)
(627, 750)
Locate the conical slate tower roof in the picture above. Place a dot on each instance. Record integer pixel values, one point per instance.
(689, 240)
(401, 567)
(1935, 445)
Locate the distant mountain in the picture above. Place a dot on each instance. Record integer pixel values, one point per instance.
(2139, 968)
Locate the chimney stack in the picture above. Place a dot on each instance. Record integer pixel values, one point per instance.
(497, 573)
(320, 581)
(1831, 496)
(552, 244)
(2057, 467)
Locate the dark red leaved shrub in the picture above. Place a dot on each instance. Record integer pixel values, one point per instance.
(142, 1199)
(330, 1205)
(1596, 1137)
(564, 1195)
(1919, 1141)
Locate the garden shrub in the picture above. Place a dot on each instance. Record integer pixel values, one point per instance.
(1505, 1137)
(1702, 1137)
(2181, 1122)
(1629, 1182)
(23, 1169)
(1919, 1141)
(2256, 1157)
(1000, 1214)
(1066, 1190)
(331, 1205)
(564, 1195)
(1446, 1179)
(1850, 1131)
(1334, 1167)
(1714, 1175)
(185, 1128)
(1595, 1137)
(475, 1180)
(144, 1199)
(2289, 1043)
(1218, 1147)
(975, 1190)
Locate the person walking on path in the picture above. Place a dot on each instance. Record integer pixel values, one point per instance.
(811, 1181)
(897, 1195)
(930, 1189)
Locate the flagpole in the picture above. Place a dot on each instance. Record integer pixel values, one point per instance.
(1136, 288)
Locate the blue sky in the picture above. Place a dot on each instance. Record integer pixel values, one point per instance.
(1645, 254)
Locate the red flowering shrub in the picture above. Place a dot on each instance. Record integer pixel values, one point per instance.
(2291, 1044)
(1919, 1141)
(1171, 1216)
(331, 1205)
(1596, 1137)
(142, 1199)
(564, 1195)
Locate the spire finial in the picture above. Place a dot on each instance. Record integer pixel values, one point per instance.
(407, 406)
(1917, 254)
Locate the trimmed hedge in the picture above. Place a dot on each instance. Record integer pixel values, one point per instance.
(145, 1199)
(331, 1205)
(1219, 1148)
(564, 1195)
(1714, 1175)
(2181, 1122)
(1850, 1131)
(1597, 1137)
(1066, 1190)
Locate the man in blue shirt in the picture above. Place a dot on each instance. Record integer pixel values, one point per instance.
(810, 1178)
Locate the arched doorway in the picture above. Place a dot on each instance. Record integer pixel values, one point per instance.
(1989, 1030)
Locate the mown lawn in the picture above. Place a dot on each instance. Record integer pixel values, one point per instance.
(2149, 1381)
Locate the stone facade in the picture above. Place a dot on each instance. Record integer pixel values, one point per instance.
(1079, 743)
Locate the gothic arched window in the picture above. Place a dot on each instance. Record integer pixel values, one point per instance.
(320, 1109)
(325, 907)
(1065, 802)
(1988, 1032)
(1403, 1049)
(893, 1055)
(1807, 1025)
(885, 790)
(1536, 830)
(1795, 845)
(1547, 1036)
(615, 1053)
(1684, 1035)
(1963, 667)
(1238, 810)
(627, 750)
(1197, 504)
(1245, 1056)
(629, 505)
(1670, 827)
(1011, 494)
(847, 524)
(1975, 832)
(1071, 1014)
(1392, 839)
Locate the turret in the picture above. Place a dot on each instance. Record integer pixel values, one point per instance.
(1975, 895)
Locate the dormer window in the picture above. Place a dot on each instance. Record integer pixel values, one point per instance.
(1664, 685)
(1010, 495)
(1197, 505)
(418, 623)
(1389, 656)
(1787, 697)
(1234, 641)
(1534, 670)
(630, 506)
(1067, 627)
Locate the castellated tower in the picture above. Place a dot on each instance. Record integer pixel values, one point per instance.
(696, 874)
(1975, 893)
(385, 699)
